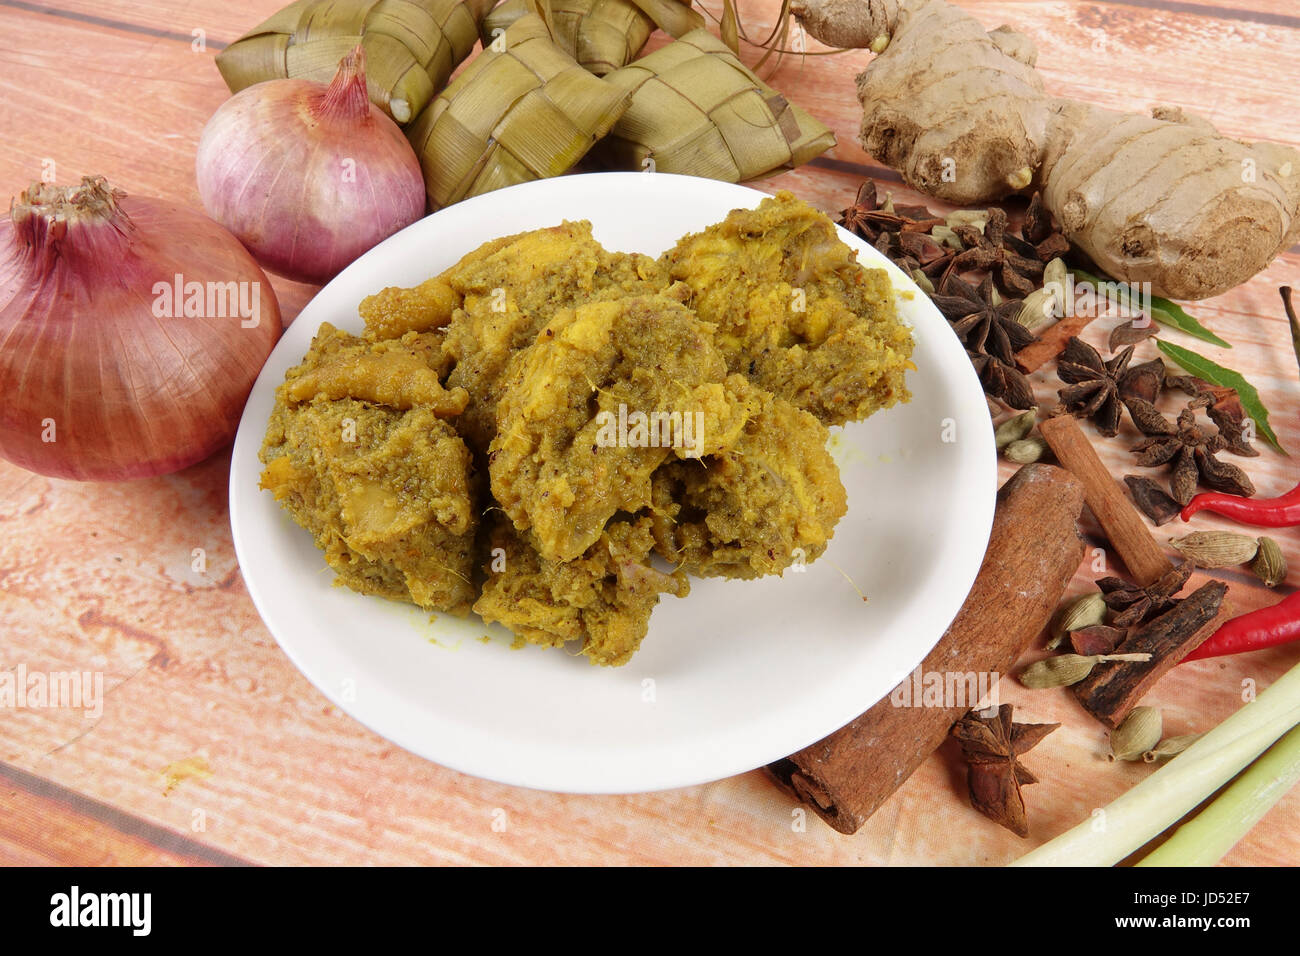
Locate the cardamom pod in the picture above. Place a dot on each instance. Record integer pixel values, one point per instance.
(1055, 275)
(1138, 733)
(1270, 563)
(1217, 549)
(1025, 451)
(1066, 669)
(1039, 308)
(946, 237)
(923, 281)
(979, 218)
(1015, 428)
(1086, 611)
(1170, 747)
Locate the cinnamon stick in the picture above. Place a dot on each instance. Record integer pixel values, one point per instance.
(1124, 527)
(1052, 342)
(1034, 550)
(1113, 689)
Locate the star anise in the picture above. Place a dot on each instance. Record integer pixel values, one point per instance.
(1093, 384)
(1224, 408)
(1042, 237)
(1188, 449)
(988, 251)
(868, 217)
(992, 747)
(1133, 605)
(987, 326)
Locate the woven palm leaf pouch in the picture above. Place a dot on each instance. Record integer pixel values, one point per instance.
(602, 35)
(697, 110)
(412, 46)
(522, 109)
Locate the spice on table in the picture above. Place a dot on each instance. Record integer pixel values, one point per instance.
(1014, 428)
(1270, 563)
(1280, 512)
(1188, 449)
(1124, 527)
(1112, 690)
(1170, 747)
(1026, 450)
(970, 246)
(992, 748)
(1137, 734)
(1134, 605)
(1216, 549)
(1064, 670)
(1084, 611)
(1097, 639)
(1222, 406)
(1292, 319)
(986, 324)
(1093, 384)
(1151, 499)
(1131, 332)
(1265, 627)
(987, 251)
(1034, 550)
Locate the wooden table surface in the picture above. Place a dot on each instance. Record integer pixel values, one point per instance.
(212, 748)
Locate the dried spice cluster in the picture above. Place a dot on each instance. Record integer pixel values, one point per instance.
(974, 268)
(1100, 389)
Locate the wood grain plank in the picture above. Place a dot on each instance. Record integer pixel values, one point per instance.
(44, 824)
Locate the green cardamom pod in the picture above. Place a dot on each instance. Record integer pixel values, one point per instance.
(1217, 549)
(1015, 428)
(1055, 275)
(1086, 611)
(945, 236)
(1066, 669)
(979, 218)
(1038, 308)
(1270, 563)
(1137, 733)
(1170, 747)
(923, 281)
(1025, 451)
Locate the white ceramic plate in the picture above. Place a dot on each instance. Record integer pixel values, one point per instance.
(732, 677)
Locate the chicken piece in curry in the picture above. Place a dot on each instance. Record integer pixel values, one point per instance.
(554, 435)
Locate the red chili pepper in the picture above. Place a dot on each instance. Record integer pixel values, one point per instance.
(1266, 627)
(1280, 512)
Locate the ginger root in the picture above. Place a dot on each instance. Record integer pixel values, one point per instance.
(963, 115)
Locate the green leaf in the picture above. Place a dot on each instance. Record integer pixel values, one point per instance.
(1216, 374)
(1163, 311)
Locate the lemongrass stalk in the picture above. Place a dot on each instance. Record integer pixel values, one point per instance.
(1162, 799)
(1207, 837)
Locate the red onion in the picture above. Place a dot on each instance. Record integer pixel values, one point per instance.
(131, 331)
(309, 176)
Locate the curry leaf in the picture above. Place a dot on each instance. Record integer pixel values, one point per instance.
(1216, 374)
(1162, 310)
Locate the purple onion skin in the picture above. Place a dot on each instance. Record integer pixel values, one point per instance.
(308, 177)
(129, 394)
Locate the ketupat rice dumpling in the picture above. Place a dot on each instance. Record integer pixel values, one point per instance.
(412, 46)
(527, 112)
(601, 35)
(507, 358)
(697, 110)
